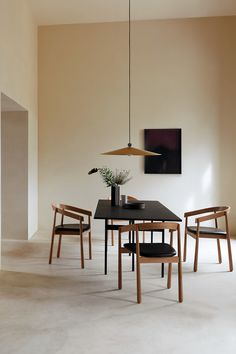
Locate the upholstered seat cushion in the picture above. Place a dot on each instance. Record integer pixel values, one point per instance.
(206, 230)
(70, 228)
(152, 249)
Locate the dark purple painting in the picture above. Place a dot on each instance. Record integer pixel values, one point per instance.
(167, 142)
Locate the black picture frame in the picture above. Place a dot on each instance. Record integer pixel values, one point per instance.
(167, 142)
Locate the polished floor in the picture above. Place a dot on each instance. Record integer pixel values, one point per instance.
(62, 309)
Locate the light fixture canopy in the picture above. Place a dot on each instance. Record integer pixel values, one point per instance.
(129, 150)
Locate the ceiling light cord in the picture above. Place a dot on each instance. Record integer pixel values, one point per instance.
(130, 150)
(129, 54)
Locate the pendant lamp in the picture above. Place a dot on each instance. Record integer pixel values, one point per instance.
(129, 150)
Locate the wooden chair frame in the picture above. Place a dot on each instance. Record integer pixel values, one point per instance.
(172, 227)
(213, 213)
(76, 214)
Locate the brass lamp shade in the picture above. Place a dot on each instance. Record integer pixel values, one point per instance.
(131, 151)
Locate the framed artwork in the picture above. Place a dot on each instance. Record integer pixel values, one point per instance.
(167, 142)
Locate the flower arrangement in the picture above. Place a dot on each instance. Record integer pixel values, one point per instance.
(111, 178)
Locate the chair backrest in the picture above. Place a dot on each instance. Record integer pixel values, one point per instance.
(171, 226)
(130, 198)
(76, 209)
(62, 209)
(150, 226)
(211, 214)
(216, 209)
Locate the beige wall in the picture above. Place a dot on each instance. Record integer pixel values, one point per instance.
(181, 78)
(228, 121)
(18, 80)
(14, 163)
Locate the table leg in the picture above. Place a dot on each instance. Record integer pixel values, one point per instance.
(129, 237)
(162, 265)
(106, 237)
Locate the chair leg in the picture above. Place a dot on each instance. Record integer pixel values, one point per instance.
(119, 267)
(196, 255)
(51, 249)
(185, 247)
(112, 238)
(59, 246)
(180, 281)
(138, 279)
(230, 254)
(169, 276)
(170, 264)
(112, 235)
(90, 245)
(219, 251)
(82, 250)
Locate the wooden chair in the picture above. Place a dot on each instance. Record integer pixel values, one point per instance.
(78, 229)
(152, 252)
(198, 231)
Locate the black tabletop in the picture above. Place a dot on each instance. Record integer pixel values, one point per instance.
(153, 210)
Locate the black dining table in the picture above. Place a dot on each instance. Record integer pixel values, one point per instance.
(153, 211)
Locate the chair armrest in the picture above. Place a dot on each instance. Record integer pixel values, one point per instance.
(77, 210)
(210, 217)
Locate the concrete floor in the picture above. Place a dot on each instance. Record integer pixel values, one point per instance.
(63, 309)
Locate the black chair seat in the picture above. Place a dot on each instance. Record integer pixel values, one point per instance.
(59, 229)
(152, 249)
(206, 230)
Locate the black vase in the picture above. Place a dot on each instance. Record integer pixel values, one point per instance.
(115, 195)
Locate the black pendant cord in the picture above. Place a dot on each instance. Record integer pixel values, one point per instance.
(129, 144)
(130, 150)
